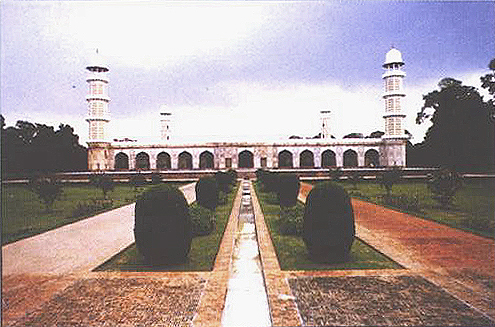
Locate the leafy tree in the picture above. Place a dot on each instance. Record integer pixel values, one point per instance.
(28, 147)
(444, 184)
(102, 181)
(462, 135)
(48, 190)
(488, 81)
(389, 178)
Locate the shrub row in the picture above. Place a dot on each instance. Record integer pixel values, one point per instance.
(285, 185)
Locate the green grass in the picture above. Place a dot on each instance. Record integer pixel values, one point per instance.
(292, 253)
(201, 257)
(473, 207)
(23, 215)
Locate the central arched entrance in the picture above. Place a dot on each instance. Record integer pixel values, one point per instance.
(185, 160)
(163, 161)
(306, 159)
(142, 161)
(328, 159)
(246, 159)
(350, 158)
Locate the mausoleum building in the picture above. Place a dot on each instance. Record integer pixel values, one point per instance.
(323, 152)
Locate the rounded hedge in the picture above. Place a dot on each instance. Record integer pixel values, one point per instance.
(163, 228)
(203, 220)
(328, 223)
(207, 192)
(288, 189)
(223, 180)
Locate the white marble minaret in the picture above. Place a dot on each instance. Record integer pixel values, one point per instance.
(325, 124)
(98, 114)
(394, 95)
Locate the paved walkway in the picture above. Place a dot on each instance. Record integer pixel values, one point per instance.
(462, 263)
(77, 247)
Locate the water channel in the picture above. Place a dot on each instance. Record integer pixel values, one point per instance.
(246, 303)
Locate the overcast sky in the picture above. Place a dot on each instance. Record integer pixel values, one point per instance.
(235, 70)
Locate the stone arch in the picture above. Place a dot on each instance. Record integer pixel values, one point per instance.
(306, 159)
(185, 160)
(142, 161)
(285, 159)
(246, 159)
(328, 159)
(163, 161)
(372, 158)
(121, 161)
(350, 158)
(206, 160)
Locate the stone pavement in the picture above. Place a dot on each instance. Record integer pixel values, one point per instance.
(461, 263)
(35, 268)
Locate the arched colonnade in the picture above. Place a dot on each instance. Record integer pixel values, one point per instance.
(224, 158)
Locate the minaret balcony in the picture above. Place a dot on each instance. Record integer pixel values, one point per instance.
(396, 93)
(101, 97)
(393, 72)
(98, 118)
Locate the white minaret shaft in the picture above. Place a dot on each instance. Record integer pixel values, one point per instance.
(394, 95)
(97, 98)
(165, 125)
(325, 124)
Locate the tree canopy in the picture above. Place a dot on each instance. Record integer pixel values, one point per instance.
(30, 148)
(463, 131)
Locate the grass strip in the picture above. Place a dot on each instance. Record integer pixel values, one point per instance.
(23, 215)
(292, 253)
(201, 257)
(473, 208)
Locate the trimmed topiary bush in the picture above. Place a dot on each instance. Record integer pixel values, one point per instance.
(232, 177)
(207, 192)
(163, 228)
(223, 181)
(203, 220)
(328, 223)
(288, 189)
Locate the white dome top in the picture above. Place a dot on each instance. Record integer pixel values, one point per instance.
(393, 57)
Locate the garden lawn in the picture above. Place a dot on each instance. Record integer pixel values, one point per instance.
(473, 207)
(201, 257)
(291, 250)
(23, 214)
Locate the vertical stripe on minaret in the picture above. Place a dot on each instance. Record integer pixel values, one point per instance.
(325, 124)
(394, 95)
(97, 98)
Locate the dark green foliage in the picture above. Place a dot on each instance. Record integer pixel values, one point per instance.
(291, 220)
(163, 227)
(462, 136)
(288, 189)
(335, 174)
(207, 192)
(444, 184)
(203, 220)
(156, 178)
(137, 180)
(103, 182)
(232, 177)
(28, 147)
(328, 225)
(403, 202)
(92, 207)
(222, 198)
(388, 178)
(354, 177)
(47, 189)
(223, 180)
(268, 179)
